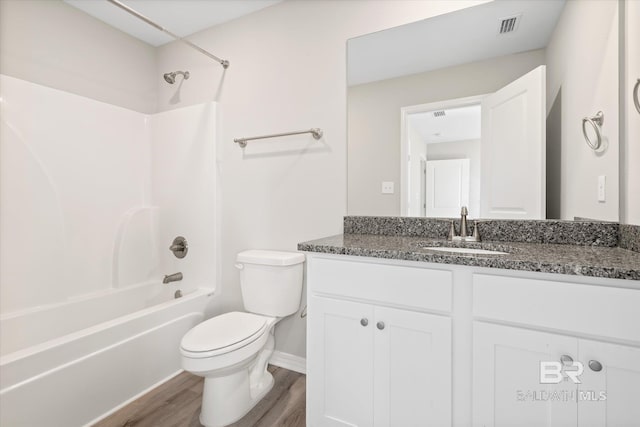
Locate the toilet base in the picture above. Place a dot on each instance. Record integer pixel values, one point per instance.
(227, 399)
(231, 390)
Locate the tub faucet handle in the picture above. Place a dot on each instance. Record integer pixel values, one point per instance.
(179, 247)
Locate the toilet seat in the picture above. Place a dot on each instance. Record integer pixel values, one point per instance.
(223, 334)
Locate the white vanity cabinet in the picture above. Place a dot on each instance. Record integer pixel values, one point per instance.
(506, 382)
(340, 363)
(401, 343)
(618, 378)
(508, 388)
(369, 364)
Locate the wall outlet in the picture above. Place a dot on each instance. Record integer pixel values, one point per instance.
(602, 186)
(387, 187)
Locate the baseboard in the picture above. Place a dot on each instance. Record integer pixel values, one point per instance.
(289, 361)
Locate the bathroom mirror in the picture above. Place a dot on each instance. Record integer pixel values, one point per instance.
(484, 107)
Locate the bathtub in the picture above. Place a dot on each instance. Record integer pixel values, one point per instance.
(72, 364)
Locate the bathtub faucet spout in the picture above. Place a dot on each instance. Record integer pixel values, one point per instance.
(172, 278)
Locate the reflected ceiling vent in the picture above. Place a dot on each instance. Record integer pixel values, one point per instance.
(439, 113)
(510, 24)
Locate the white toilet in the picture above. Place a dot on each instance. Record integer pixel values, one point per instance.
(231, 351)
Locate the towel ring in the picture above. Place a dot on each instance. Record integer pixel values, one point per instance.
(635, 96)
(596, 122)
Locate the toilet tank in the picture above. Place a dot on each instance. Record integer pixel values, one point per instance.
(271, 281)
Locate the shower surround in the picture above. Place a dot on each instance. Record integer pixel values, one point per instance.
(91, 196)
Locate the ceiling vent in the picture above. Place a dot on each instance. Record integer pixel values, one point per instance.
(509, 25)
(439, 113)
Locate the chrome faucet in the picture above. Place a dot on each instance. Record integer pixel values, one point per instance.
(463, 229)
(172, 278)
(463, 221)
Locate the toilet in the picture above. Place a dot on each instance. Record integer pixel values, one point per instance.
(231, 351)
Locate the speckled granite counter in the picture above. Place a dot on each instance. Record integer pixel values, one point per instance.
(583, 260)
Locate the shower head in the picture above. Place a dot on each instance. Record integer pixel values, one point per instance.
(171, 77)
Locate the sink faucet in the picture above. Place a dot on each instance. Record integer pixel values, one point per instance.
(172, 278)
(463, 229)
(463, 221)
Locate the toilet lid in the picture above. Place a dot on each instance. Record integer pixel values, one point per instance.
(224, 331)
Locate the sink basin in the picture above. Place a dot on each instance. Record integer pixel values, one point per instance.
(465, 250)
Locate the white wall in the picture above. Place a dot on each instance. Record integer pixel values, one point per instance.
(287, 72)
(53, 44)
(582, 66)
(374, 121)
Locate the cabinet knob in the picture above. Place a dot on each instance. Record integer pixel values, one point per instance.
(566, 359)
(364, 321)
(595, 365)
(380, 325)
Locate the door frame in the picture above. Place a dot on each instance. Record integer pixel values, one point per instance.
(404, 137)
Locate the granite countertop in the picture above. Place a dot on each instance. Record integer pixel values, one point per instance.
(581, 260)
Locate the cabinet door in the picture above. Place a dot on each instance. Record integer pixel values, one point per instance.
(412, 384)
(507, 389)
(339, 363)
(609, 396)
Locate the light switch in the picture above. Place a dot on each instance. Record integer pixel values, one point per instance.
(602, 185)
(387, 187)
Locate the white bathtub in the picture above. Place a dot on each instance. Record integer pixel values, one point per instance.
(72, 364)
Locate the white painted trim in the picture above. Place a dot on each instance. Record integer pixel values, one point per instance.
(404, 136)
(289, 361)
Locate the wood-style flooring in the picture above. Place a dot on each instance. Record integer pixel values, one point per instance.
(176, 403)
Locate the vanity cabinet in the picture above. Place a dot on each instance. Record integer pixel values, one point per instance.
(340, 358)
(402, 343)
(619, 379)
(508, 384)
(506, 380)
(373, 365)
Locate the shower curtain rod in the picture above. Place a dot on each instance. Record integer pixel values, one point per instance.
(223, 62)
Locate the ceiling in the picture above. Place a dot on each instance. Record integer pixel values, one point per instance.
(459, 37)
(181, 17)
(457, 124)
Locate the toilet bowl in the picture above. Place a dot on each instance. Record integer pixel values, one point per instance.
(232, 350)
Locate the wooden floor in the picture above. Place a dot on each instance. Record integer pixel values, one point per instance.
(176, 403)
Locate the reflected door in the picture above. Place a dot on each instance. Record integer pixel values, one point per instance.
(512, 153)
(447, 187)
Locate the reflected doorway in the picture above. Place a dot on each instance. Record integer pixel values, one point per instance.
(442, 168)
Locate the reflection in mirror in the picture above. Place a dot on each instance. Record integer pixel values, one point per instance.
(483, 107)
(444, 160)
